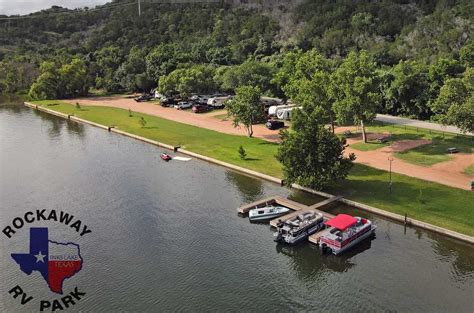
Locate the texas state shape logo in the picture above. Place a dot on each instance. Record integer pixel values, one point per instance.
(56, 261)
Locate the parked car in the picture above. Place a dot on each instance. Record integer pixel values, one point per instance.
(199, 108)
(143, 98)
(167, 102)
(183, 105)
(272, 124)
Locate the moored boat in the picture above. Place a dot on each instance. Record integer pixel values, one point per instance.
(346, 231)
(165, 157)
(267, 213)
(299, 227)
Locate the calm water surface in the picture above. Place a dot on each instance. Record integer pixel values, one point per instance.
(166, 236)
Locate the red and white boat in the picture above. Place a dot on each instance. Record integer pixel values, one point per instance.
(346, 231)
(165, 157)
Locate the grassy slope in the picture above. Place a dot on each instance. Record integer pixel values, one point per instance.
(434, 203)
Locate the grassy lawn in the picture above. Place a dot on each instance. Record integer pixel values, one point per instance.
(435, 152)
(469, 170)
(369, 146)
(430, 202)
(425, 155)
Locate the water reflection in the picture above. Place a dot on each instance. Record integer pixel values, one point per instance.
(57, 125)
(460, 255)
(250, 189)
(307, 258)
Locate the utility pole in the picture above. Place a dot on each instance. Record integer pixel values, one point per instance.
(390, 181)
(139, 8)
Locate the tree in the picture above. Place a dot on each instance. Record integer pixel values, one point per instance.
(249, 73)
(245, 108)
(308, 85)
(462, 115)
(184, 81)
(108, 60)
(466, 55)
(355, 90)
(46, 84)
(161, 61)
(242, 153)
(60, 81)
(132, 73)
(407, 93)
(311, 155)
(73, 79)
(455, 105)
(142, 121)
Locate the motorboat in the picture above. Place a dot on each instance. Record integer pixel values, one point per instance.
(267, 213)
(346, 231)
(165, 157)
(299, 227)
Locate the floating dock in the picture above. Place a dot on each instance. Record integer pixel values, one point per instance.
(296, 207)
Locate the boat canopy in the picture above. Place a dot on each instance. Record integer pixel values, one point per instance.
(342, 221)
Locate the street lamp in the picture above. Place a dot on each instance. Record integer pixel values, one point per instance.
(390, 181)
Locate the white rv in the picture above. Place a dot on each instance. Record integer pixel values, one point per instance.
(218, 102)
(285, 114)
(273, 110)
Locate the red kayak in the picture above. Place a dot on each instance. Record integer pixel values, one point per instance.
(165, 157)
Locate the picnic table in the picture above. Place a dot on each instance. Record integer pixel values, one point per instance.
(383, 139)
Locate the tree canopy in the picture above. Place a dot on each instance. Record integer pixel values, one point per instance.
(245, 108)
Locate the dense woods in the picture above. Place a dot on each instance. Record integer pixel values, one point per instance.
(409, 58)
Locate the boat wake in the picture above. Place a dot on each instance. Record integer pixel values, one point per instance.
(181, 159)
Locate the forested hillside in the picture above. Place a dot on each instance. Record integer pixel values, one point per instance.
(423, 51)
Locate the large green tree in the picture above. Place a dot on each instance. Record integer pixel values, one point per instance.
(311, 155)
(246, 108)
(355, 90)
(184, 81)
(408, 92)
(249, 73)
(60, 81)
(455, 104)
(309, 85)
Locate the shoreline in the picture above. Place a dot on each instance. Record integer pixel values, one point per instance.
(393, 216)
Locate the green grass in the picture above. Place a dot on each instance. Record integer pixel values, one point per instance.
(425, 155)
(469, 170)
(369, 146)
(426, 201)
(430, 202)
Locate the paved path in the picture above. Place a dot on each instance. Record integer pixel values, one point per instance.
(447, 173)
(421, 124)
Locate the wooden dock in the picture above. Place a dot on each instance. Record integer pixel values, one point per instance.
(295, 206)
(314, 238)
(291, 215)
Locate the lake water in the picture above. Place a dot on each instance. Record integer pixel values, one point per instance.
(166, 236)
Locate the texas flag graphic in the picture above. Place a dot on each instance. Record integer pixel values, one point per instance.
(55, 261)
